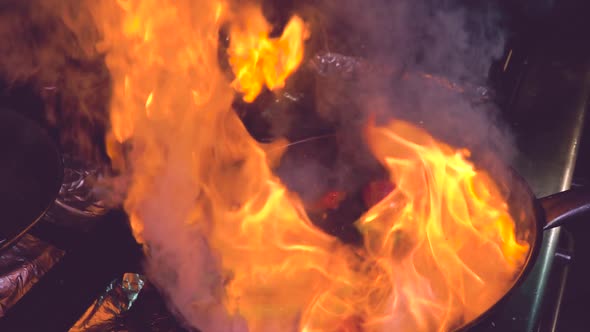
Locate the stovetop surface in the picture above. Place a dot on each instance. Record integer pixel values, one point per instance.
(549, 72)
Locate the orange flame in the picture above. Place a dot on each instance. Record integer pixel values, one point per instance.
(258, 60)
(438, 250)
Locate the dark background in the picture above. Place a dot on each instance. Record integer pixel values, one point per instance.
(557, 31)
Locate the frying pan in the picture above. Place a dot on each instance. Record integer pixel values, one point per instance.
(531, 215)
(31, 174)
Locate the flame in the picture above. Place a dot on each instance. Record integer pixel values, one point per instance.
(438, 250)
(258, 60)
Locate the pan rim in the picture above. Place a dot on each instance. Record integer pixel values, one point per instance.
(11, 240)
(539, 220)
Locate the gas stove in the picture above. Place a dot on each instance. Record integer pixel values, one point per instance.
(544, 84)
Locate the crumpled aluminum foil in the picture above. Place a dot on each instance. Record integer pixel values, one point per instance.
(76, 194)
(328, 64)
(77, 204)
(343, 67)
(22, 266)
(118, 298)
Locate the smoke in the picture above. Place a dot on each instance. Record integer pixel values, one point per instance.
(181, 262)
(53, 44)
(49, 47)
(402, 40)
(423, 61)
(450, 37)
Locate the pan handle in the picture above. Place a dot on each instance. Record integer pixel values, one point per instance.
(563, 207)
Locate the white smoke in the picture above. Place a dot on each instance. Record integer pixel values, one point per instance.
(452, 39)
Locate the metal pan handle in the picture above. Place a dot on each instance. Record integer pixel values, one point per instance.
(566, 206)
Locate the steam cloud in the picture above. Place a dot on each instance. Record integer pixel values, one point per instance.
(50, 43)
(49, 46)
(457, 40)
